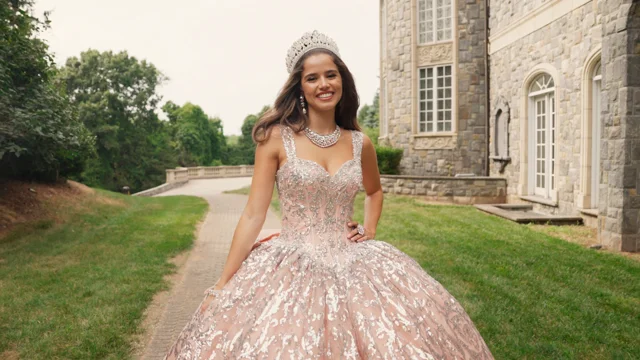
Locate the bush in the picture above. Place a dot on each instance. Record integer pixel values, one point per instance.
(389, 160)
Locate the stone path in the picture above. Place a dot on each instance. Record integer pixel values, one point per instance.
(206, 259)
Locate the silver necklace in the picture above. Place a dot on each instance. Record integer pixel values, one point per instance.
(323, 140)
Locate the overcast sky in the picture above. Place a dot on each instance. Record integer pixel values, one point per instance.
(228, 56)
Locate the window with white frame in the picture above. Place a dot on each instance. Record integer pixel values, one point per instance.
(435, 99)
(542, 133)
(434, 21)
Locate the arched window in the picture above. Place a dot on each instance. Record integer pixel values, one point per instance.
(542, 134)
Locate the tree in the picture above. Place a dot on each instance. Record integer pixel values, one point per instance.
(244, 152)
(369, 115)
(41, 136)
(116, 98)
(198, 138)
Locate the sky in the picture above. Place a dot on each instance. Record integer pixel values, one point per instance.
(227, 56)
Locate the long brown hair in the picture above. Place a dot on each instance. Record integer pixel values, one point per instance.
(288, 111)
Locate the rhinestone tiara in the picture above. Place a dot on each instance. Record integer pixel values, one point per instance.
(309, 41)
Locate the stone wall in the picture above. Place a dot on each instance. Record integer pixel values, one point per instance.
(505, 13)
(620, 202)
(471, 190)
(208, 172)
(465, 149)
(562, 47)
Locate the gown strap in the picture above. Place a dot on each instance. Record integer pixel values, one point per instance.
(287, 140)
(357, 140)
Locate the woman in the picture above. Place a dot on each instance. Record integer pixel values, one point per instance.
(322, 288)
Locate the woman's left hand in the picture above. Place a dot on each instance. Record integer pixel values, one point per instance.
(355, 236)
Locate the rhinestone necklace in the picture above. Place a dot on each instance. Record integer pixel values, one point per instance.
(323, 140)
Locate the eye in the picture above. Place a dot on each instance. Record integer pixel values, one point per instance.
(332, 75)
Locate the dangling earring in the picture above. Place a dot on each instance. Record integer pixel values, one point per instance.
(304, 109)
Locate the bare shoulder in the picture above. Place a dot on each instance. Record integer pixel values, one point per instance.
(273, 143)
(366, 141)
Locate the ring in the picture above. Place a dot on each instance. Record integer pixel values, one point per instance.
(360, 229)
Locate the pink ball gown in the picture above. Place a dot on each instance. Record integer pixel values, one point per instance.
(310, 293)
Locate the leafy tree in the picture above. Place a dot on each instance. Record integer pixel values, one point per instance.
(40, 134)
(116, 98)
(198, 139)
(244, 152)
(369, 115)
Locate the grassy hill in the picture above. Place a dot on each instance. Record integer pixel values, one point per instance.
(78, 266)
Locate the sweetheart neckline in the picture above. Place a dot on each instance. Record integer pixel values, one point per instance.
(318, 165)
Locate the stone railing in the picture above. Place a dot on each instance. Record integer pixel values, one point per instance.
(208, 172)
(456, 190)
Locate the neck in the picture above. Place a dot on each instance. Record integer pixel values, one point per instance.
(322, 122)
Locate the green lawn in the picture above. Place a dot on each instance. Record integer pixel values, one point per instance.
(78, 289)
(531, 295)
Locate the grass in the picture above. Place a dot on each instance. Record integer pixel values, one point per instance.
(76, 288)
(531, 295)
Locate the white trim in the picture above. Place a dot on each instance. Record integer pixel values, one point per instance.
(435, 99)
(533, 21)
(525, 184)
(434, 22)
(585, 200)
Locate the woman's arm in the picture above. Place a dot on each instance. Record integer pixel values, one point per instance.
(254, 213)
(373, 189)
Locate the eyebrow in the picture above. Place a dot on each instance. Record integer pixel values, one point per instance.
(326, 72)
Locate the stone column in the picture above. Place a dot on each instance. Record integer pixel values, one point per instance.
(619, 208)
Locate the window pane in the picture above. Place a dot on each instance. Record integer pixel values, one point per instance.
(422, 84)
(429, 127)
(423, 106)
(422, 127)
(447, 126)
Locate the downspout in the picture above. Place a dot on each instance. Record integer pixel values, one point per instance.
(486, 85)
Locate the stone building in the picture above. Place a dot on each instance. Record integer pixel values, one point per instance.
(542, 93)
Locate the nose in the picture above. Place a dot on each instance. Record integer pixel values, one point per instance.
(324, 83)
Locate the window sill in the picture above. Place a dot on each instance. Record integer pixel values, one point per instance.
(590, 212)
(435, 134)
(539, 200)
(440, 42)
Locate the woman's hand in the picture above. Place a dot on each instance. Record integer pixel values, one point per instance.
(359, 233)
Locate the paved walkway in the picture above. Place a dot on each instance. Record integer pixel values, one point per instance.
(206, 259)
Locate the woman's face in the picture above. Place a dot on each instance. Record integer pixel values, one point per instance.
(321, 82)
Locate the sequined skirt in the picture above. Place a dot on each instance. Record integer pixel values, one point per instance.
(288, 302)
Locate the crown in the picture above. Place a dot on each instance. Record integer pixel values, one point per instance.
(309, 41)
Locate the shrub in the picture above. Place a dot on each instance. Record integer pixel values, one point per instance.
(389, 160)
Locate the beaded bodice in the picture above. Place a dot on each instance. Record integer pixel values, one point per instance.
(316, 205)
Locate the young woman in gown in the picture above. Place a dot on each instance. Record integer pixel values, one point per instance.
(322, 288)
